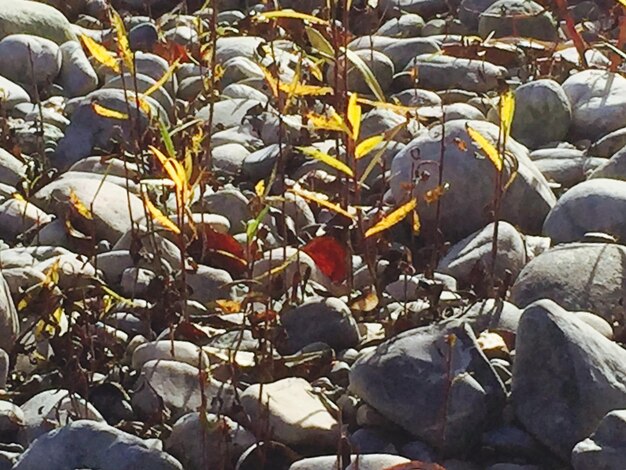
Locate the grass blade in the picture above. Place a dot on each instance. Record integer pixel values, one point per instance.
(487, 147)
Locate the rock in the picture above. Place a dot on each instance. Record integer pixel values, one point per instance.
(512, 442)
(4, 368)
(581, 377)
(606, 447)
(211, 442)
(18, 216)
(77, 75)
(406, 26)
(9, 321)
(517, 18)
(88, 444)
(143, 37)
(542, 113)
(180, 351)
(13, 94)
(405, 378)
(597, 205)
(418, 97)
(12, 170)
(27, 59)
(296, 416)
(598, 100)
(11, 418)
(463, 210)
(577, 276)
(564, 166)
(476, 252)
(426, 8)
(208, 284)
(171, 386)
(51, 409)
(380, 65)
(399, 50)
(608, 145)
(88, 130)
(443, 72)
(492, 315)
(30, 17)
(613, 168)
(325, 320)
(372, 441)
(470, 10)
(113, 208)
(227, 113)
(358, 462)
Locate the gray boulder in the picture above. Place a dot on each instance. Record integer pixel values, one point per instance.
(88, 444)
(598, 100)
(517, 18)
(358, 462)
(597, 205)
(406, 26)
(399, 50)
(542, 113)
(566, 377)
(434, 382)
(30, 17)
(470, 175)
(29, 59)
(613, 168)
(606, 447)
(77, 76)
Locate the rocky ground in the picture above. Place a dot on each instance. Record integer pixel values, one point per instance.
(374, 235)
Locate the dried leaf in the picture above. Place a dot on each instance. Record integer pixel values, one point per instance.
(393, 218)
(507, 111)
(159, 217)
(368, 145)
(354, 116)
(78, 205)
(322, 200)
(330, 256)
(220, 250)
(122, 40)
(100, 53)
(229, 306)
(365, 302)
(108, 113)
(416, 224)
(166, 76)
(327, 159)
(486, 146)
(289, 14)
(433, 195)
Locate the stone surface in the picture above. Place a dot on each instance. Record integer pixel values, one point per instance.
(30, 17)
(296, 416)
(524, 18)
(29, 59)
(77, 76)
(358, 462)
(606, 447)
(471, 181)
(410, 377)
(582, 377)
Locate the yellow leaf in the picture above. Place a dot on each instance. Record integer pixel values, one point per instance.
(416, 225)
(272, 82)
(122, 40)
(108, 113)
(354, 115)
(166, 76)
(622, 2)
(319, 42)
(486, 146)
(393, 218)
(507, 111)
(17, 196)
(56, 323)
(334, 122)
(310, 90)
(259, 188)
(289, 14)
(327, 159)
(79, 206)
(228, 306)
(368, 145)
(397, 108)
(52, 274)
(159, 217)
(322, 200)
(100, 53)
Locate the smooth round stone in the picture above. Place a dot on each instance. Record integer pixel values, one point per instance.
(143, 37)
(25, 58)
(406, 26)
(517, 18)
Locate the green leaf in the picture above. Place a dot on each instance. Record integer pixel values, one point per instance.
(167, 139)
(368, 76)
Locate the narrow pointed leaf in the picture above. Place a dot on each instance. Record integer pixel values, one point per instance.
(100, 53)
(78, 205)
(334, 122)
(107, 112)
(327, 159)
(321, 200)
(393, 218)
(122, 40)
(354, 116)
(368, 145)
(319, 42)
(159, 217)
(486, 147)
(366, 72)
(166, 137)
(507, 111)
(166, 76)
(290, 14)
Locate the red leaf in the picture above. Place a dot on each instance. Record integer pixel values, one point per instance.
(330, 257)
(171, 51)
(190, 332)
(219, 250)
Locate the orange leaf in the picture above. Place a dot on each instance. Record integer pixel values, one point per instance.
(330, 257)
(159, 217)
(219, 250)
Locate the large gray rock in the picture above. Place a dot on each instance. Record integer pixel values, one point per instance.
(30, 17)
(565, 166)
(597, 205)
(471, 176)
(88, 444)
(566, 376)
(476, 252)
(112, 207)
(320, 320)
(442, 72)
(542, 113)
(517, 18)
(380, 65)
(606, 447)
(598, 100)
(17, 216)
(434, 382)
(613, 168)
(578, 276)
(29, 59)
(77, 76)
(210, 442)
(400, 51)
